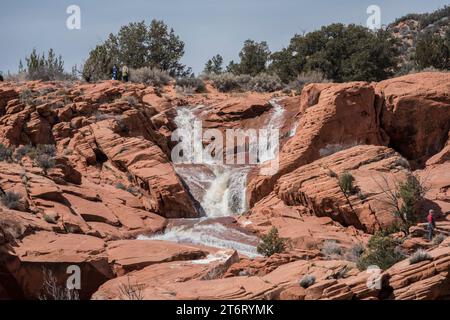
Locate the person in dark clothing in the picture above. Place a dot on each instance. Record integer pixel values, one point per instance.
(115, 73)
(1, 77)
(431, 219)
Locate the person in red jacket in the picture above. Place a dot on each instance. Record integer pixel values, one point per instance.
(431, 224)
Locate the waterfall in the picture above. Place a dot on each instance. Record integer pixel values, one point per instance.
(275, 122)
(220, 189)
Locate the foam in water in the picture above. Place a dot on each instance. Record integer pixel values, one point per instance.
(293, 130)
(212, 235)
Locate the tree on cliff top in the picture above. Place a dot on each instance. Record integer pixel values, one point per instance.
(340, 52)
(137, 46)
(41, 67)
(214, 65)
(254, 58)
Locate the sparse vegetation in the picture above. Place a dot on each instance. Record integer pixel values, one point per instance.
(121, 186)
(131, 291)
(271, 243)
(346, 183)
(438, 239)
(419, 256)
(52, 290)
(6, 153)
(49, 219)
(46, 68)
(265, 82)
(306, 78)
(355, 252)
(191, 84)
(403, 198)
(11, 200)
(27, 96)
(307, 281)
(381, 251)
(131, 100)
(45, 162)
(227, 82)
(150, 76)
(331, 250)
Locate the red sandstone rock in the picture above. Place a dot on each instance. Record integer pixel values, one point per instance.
(415, 113)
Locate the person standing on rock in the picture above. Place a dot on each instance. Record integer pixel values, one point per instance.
(125, 74)
(1, 77)
(115, 72)
(431, 224)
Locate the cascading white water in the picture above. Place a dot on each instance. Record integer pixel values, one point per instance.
(213, 235)
(220, 190)
(275, 122)
(293, 130)
(224, 186)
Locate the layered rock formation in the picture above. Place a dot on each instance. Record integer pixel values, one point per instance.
(109, 179)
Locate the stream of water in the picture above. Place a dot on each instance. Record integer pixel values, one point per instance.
(221, 192)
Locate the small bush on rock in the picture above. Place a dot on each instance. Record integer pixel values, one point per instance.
(381, 251)
(11, 200)
(438, 239)
(271, 243)
(419, 256)
(355, 252)
(306, 78)
(132, 100)
(6, 153)
(228, 82)
(195, 84)
(331, 250)
(307, 281)
(45, 162)
(121, 186)
(346, 183)
(27, 96)
(265, 82)
(150, 76)
(22, 151)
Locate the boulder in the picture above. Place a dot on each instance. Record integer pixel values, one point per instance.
(339, 116)
(130, 255)
(415, 114)
(43, 251)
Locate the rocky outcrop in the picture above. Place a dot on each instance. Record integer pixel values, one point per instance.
(316, 186)
(426, 280)
(39, 253)
(130, 255)
(415, 114)
(336, 116)
(113, 180)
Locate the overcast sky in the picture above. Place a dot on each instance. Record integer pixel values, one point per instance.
(207, 27)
